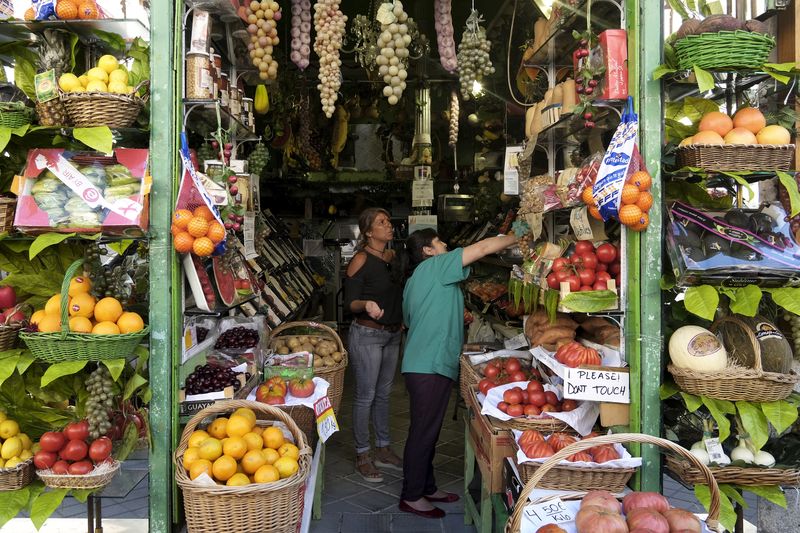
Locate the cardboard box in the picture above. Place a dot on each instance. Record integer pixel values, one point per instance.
(491, 445)
(192, 406)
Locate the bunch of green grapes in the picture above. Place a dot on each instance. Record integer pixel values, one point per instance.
(794, 321)
(100, 402)
(258, 159)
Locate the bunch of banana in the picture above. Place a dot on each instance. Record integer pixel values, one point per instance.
(339, 136)
(261, 100)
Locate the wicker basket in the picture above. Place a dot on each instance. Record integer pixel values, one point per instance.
(578, 478)
(724, 50)
(515, 520)
(8, 337)
(86, 481)
(737, 475)
(15, 114)
(67, 346)
(104, 109)
(253, 508)
(733, 383)
(542, 425)
(734, 158)
(7, 208)
(18, 477)
(468, 378)
(334, 375)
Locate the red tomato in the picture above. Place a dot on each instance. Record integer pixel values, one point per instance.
(606, 253)
(537, 398)
(485, 385)
(560, 263)
(584, 246)
(100, 449)
(562, 275)
(515, 410)
(552, 281)
(301, 388)
(586, 288)
(587, 260)
(52, 441)
(44, 460)
(602, 276)
(618, 280)
(534, 386)
(80, 468)
(600, 286)
(512, 396)
(551, 397)
(532, 410)
(491, 371)
(75, 450)
(614, 268)
(503, 406)
(524, 397)
(61, 467)
(574, 283)
(569, 405)
(512, 365)
(601, 267)
(519, 375)
(586, 276)
(77, 431)
(549, 408)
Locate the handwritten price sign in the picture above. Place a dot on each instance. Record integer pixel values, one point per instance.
(326, 418)
(554, 511)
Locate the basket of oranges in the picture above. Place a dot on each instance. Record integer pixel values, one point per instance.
(242, 471)
(75, 326)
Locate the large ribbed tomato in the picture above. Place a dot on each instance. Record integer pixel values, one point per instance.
(559, 441)
(602, 498)
(683, 520)
(593, 519)
(645, 500)
(529, 436)
(575, 354)
(537, 450)
(647, 519)
(604, 453)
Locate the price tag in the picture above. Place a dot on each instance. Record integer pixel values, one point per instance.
(511, 170)
(46, 86)
(715, 452)
(516, 342)
(421, 193)
(326, 419)
(250, 236)
(554, 511)
(581, 226)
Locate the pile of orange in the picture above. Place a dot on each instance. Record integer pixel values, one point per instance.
(87, 314)
(235, 451)
(635, 201)
(748, 126)
(196, 231)
(75, 9)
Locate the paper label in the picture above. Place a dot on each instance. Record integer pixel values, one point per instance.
(715, 452)
(45, 86)
(326, 418)
(511, 170)
(421, 193)
(520, 341)
(601, 385)
(250, 235)
(539, 514)
(579, 220)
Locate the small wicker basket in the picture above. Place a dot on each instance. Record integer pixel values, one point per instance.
(468, 379)
(17, 477)
(737, 475)
(724, 50)
(87, 481)
(736, 157)
(7, 208)
(104, 109)
(515, 520)
(15, 114)
(67, 346)
(734, 383)
(275, 507)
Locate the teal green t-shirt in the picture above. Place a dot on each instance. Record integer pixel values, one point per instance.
(433, 311)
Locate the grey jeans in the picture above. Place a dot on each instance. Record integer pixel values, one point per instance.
(373, 355)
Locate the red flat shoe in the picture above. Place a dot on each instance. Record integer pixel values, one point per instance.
(433, 513)
(449, 498)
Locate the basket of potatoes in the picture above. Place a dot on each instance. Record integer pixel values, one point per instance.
(330, 357)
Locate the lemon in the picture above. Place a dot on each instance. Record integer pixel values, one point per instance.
(97, 86)
(97, 73)
(11, 448)
(108, 63)
(84, 79)
(68, 82)
(120, 75)
(14, 461)
(8, 429)
(117, 87)
(25, 455)
(79, 89)
(130, 89)
(27, 443)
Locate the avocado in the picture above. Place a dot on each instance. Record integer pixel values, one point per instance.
(737, 218)
(744, 253)
(690, 239)
(760, 223)
(695, 254)
(714, 244)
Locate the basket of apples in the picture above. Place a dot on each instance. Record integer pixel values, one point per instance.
(11, 319)
(68, 459)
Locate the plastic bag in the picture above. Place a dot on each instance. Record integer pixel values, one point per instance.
(616, 164)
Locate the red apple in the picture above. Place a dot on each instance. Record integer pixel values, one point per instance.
(8, 298)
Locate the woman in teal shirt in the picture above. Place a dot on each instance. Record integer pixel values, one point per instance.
(433, 311)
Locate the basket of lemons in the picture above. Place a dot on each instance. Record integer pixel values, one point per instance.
(76, 326)
(16, 458)
(102, 96)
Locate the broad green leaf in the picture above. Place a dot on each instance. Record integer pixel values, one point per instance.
(754, 423)
(142, 355)
(738, 178)
(719, 409)
(679, 8)
(781, 414)
(7, 367)
(129, 440)
(115, 367)
(677, 131)
(11, 503)
(589, 301)
(111, 40)
(668, 390)
(727, 514)
(46, 239)
(787, 297)
(702, 301)
(132, 385)
(146, 395)
(731, 492)
(661, 71)
(81, 494)
(692, 108)
(99, 138)
(666, 282)
(5, 136)
(57, 370)
(782, 78)
(120, 246)
(705, 81)
(692, 402)
(45, 505)
(695, 195)
(747, 300)
(711, 7)
(771, 493)
(26, 358)
(24, 72)
(34, 489)
(783, 67)
(790, 184)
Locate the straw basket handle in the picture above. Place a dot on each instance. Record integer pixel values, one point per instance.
(141, 85)
(323, 327)
(71, 270)
(619, 438)
(750, 336)
(231, 405)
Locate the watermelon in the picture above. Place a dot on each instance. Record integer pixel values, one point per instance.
(226, 282)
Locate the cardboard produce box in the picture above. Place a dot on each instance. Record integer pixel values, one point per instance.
(491, 445)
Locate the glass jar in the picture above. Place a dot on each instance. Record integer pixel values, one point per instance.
(198, 77)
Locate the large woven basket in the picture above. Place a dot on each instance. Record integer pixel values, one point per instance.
(7, 208)
(737, 475)
(578, 478)
(734, 158)
(67, 346)
(735, 383)
(515, 520)
(87, 481)
(724, 49)
(334, 375)
(468, 377)
(104, 109)
(15, 114)
(16, 477)
(275, 507)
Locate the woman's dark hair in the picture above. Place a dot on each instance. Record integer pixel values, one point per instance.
(415, 244)
(365, 221)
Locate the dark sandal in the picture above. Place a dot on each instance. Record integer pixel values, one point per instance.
(366, 469)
